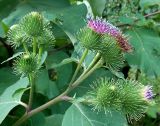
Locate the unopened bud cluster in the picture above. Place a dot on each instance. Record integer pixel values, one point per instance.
(32, 26)
(128, 97)
(33, 32)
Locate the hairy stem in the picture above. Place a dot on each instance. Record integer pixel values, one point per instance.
(60, 97)
(40, 54)
(32, 83)
(21, 120)
(93, 62)
(87, 73)
(147, 15)
(25, 47)
(79, 65)
(34, 46)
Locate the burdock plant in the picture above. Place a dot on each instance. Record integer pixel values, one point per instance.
(34, 34)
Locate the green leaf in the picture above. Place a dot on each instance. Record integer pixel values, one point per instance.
(98, 6)
(146, 54)
(54, 120)
(7, 102)
(153, 110)
(37, 120)
(44, 56)
(71, 19)
(19, 91)
(81, 115)
(63, 62)
(146, 3)
(6, 7)
(4, 27)
(45, 86)
(61, 75)
(14, 56)
(6, 73)
(126, 20)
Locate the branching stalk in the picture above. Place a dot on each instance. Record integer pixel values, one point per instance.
(79, 65)
(60, 97)
(93, 62)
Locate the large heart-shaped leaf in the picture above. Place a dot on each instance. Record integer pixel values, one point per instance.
(81, 115)
(146, 54)
(8, 101)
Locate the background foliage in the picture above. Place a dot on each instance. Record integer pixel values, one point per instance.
(139, 19)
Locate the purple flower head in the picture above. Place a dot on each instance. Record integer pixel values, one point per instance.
(148, 93)
(101, 26)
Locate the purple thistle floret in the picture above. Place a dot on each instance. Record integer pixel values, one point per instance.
(148, 93)
(101, 26)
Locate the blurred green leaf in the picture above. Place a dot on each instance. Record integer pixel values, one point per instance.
(146, 3)
(153, 110)
(146, 54)
(45, 86)
(4, 27)
(61, 75)
(6, 73)
(14, 56)
(54, 120)
(7, 102)
(97, 6)
(37, 120)
(44, 56)
(81, 115)
(126, 20)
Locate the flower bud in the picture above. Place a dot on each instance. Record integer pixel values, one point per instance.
(16, 36)
(102, 27)
(32, 24)
(46, 39)
(88, 38)
(147, 92)
(112, 54)
(26, 64)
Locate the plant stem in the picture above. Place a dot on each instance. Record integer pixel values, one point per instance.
(32, 83)
(34, 46)
(86, 74)
(147, 15)
(25, 47)
(21, 120)
(93, 62)
(40, 54)
(79, 65)
(60, 97)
